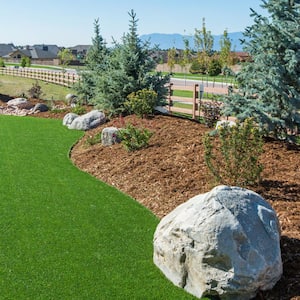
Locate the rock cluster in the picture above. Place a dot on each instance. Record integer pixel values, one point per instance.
(22, 107)
(225, 242)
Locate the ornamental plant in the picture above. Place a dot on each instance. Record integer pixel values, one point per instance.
(142, 102)
(232, 153)
(134, 138)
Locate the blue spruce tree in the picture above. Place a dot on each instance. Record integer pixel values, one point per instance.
(269, 85)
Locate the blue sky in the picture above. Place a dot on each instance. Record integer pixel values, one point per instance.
(69, 22)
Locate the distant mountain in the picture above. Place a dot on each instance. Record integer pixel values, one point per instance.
(167, 41)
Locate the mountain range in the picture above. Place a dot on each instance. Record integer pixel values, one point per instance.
(167, 41)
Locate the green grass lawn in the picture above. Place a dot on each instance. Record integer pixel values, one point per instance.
(64, 234)
(17, 86)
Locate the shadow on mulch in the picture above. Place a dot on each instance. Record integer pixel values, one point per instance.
(285, 191)
(5, 98)
(288, 286)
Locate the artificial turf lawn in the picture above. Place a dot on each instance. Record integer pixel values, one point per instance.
(64, 234)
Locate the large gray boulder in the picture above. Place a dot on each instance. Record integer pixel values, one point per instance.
(88, 121)
(69, 118)
(224, 242)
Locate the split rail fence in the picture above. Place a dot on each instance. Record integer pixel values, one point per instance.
(57, 77)
(196, 101)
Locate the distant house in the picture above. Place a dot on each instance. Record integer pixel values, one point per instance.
(39, 54)
(80, 51)
(5, 49)
(242, 56)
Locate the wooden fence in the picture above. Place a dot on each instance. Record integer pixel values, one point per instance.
(198, 99)
(57, 77)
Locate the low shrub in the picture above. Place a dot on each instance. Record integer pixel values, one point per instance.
(134, 138)
(142, 102)
(232, 153)
(93, 139)
(78, 109)
(35, 91)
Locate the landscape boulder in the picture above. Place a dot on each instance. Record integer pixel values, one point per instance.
(225, 242)
(40, 107)
(224, 123)
(17, 102)
(109, 136)
(69, 118)
(88, 121)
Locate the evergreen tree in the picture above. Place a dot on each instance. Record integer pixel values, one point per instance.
(96, 62)
(270, 84)
(128, 70)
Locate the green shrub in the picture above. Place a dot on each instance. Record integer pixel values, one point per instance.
(214, 68)
(2, 63)
(93, 139)
(35, 91)
(78, 109)
(142, 102)
(232, 154)
(134, 138)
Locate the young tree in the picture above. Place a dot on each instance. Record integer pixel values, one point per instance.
(270, 85)
(204, 42)
(128, 70)
(65, 56)
(171, 58)
(96, 62)
(225, 50)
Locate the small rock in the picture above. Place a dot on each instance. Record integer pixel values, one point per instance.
(109, 136)
(41, 107)
(16, 102)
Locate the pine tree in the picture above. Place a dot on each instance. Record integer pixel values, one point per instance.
(270, 84)
(96, 63)
(128, 71)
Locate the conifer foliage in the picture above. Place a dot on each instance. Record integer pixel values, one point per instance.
(116, 73)
(270, 85)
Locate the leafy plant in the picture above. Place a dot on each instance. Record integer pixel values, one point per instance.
(93, 139)
(142, 102)
(232, 154)
(35, 91)
(134, 138)
(79, 110)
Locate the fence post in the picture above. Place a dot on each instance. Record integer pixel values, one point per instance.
(195, 96)
(170, 102)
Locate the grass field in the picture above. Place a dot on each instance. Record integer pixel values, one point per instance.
(17, 86)
(64, 234)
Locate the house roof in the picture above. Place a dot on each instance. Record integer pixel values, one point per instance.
(81, 48)
(6, 49)
(51, 48)
(34, 53)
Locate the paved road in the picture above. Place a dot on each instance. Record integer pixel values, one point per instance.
(189, 82)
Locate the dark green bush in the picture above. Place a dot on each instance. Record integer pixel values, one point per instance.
(134, 138)
(142, 102)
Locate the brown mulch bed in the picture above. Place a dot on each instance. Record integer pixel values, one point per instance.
(172, 170)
